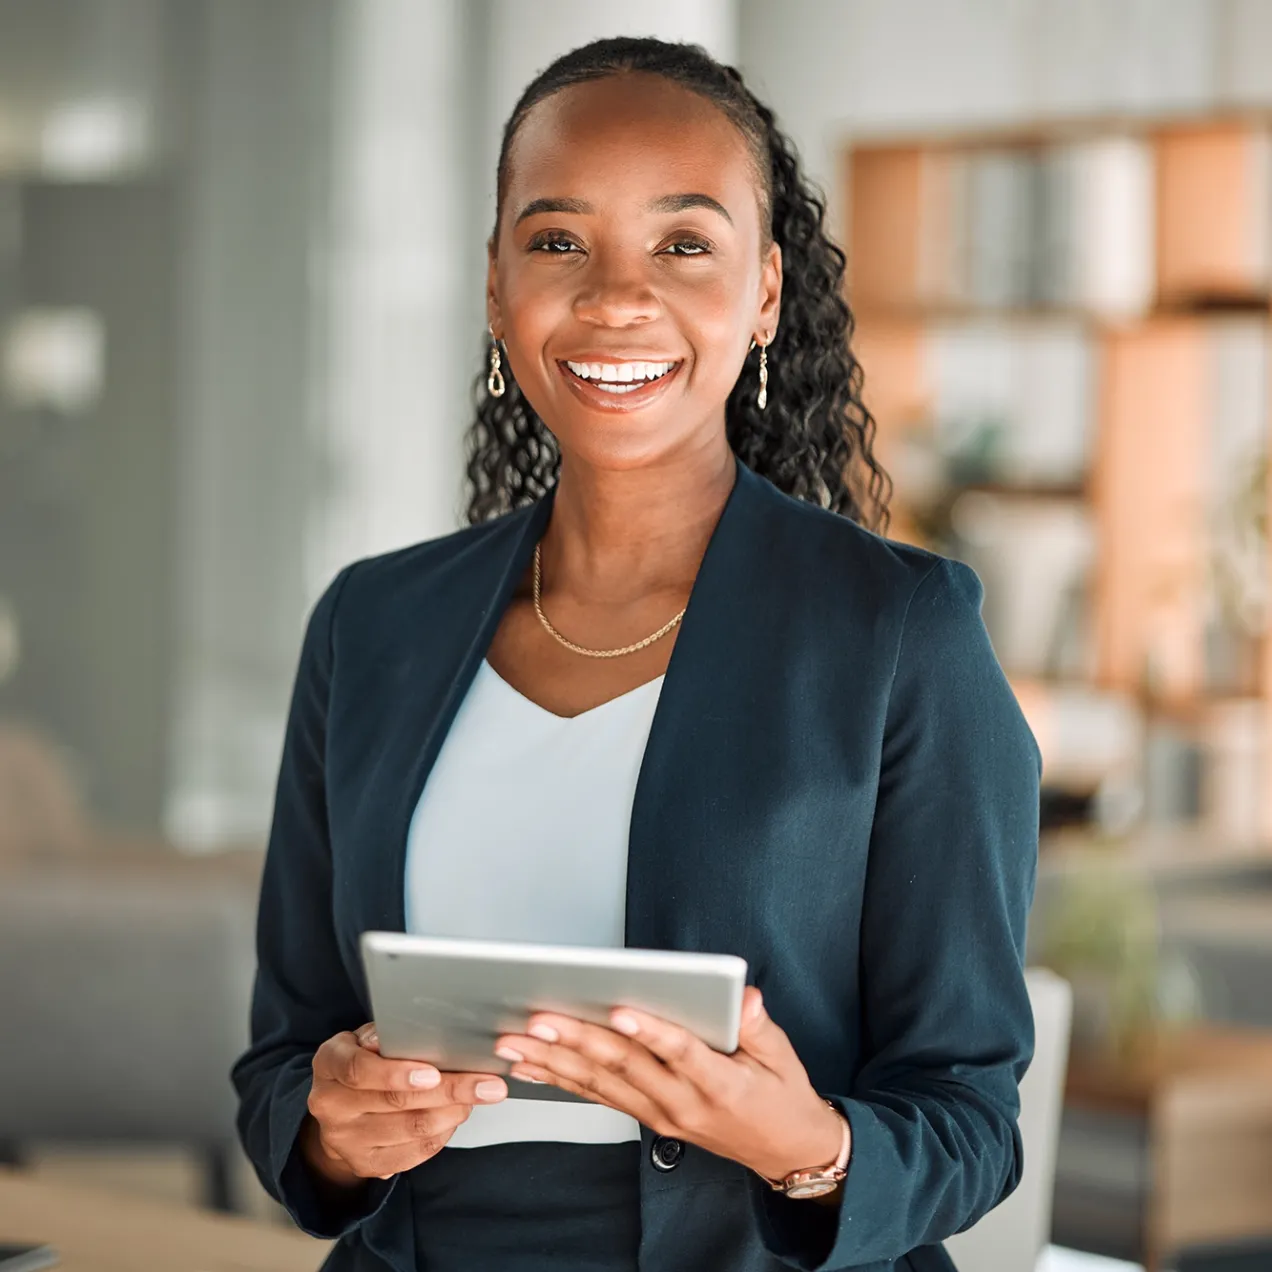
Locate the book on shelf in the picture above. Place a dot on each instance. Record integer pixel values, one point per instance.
(1214, 212)
(1034, 557)
(1003, 189)
(1013, 401)
(1068, 224)
(1180, 493)
(1088, 736)
(1113, 226)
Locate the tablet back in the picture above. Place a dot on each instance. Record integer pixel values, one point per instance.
(446, 1000)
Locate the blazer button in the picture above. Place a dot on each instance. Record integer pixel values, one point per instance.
(666, 1153)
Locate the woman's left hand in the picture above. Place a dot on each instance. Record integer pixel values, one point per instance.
(756, 1106)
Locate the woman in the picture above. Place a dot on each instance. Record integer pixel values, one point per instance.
(669, 690)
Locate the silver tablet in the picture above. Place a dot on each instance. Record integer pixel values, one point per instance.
(446, 1000)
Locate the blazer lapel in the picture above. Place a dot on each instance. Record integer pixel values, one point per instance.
(678, 869)
(455, 621)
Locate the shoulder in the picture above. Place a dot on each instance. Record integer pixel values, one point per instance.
(388, 569)
(822, 551)
(369, 588)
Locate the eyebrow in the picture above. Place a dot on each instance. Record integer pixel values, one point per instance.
(683, 202)
(536, 206)
(665, 203)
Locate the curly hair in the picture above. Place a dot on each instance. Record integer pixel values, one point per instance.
(815, 439)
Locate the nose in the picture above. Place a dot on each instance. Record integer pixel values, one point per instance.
(615, 291)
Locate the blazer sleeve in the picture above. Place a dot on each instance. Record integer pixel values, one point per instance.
(302, 993)
(948, 1029)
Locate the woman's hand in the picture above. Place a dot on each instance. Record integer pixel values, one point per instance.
(372, 1117)
(756, 1106)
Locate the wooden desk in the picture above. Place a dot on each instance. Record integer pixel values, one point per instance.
(95, 1231)
(1205, 1094)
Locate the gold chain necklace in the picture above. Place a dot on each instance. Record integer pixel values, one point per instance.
(579, 649)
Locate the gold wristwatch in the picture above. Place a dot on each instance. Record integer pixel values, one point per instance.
(817, 1181)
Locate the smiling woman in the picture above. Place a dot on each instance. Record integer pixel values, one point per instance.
(740, 207)
(672, 689)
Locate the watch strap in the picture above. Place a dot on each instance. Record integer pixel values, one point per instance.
(833, 1173)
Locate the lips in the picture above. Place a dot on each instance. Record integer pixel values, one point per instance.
(623, 384)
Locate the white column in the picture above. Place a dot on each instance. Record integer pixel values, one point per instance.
(256, 92)
(399, 357)
(324, 407)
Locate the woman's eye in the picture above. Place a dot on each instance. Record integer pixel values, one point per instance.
(687, 247)
(553, 244)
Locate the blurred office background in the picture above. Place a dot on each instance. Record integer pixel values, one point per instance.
(241, 308)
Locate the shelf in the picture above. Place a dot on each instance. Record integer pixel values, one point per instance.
(1257, 304)
(1015, 490)
(1078, 317)
(1047, 132)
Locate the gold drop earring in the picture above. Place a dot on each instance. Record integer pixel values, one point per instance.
(761, 398)
(494, 381)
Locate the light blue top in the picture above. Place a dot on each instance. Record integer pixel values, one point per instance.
(521, 835)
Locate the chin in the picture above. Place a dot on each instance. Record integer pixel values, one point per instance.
(618, 441)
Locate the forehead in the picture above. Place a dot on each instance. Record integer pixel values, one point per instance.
(630, 135)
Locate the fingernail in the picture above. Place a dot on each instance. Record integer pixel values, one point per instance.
(545, 1033)
(625, 1024)
(507, 1053)
(371, 1039)
(491, 1089)
(425, 1077)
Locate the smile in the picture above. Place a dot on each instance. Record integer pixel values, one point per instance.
(618, 379)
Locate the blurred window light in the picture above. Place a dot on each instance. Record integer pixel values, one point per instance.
(87, 140)
(10, 221)
(10, 640)
(53, 358)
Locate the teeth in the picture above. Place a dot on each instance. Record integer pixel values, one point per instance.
(620, 376)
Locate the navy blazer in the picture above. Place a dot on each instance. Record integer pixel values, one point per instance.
(838, 785)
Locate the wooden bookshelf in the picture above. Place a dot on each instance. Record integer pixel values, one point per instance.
(1105, 286)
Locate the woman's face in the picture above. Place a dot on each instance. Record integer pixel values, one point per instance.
(629, 275)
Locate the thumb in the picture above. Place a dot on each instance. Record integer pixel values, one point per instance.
(760, 1035)
(367, 1037)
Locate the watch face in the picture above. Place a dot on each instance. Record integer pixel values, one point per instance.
(813, 1188)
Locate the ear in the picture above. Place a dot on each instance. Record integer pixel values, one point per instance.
(493, 314)
(770, 291)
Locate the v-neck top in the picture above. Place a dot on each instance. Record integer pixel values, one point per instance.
(521, 834)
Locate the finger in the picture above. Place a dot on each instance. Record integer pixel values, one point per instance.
(339, 1102)
(343, 1060)
(368, 1038)
(761, 1037)
(453, 1088)
(393, 1159)
(591, 1082)
(472, 1088)
(563, 1040)
(386, 1130)
(599, 1063)
(678, 1049)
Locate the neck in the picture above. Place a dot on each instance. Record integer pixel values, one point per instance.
(617, 534)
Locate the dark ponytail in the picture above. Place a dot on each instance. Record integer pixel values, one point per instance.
(815, 439)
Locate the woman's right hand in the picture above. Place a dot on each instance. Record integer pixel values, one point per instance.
(370, 1117)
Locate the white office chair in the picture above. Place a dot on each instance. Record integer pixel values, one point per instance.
(1011, 1238)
